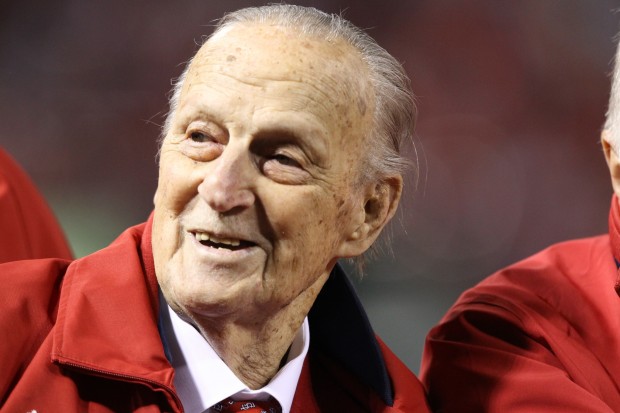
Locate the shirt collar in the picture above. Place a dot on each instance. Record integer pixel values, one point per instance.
(202, 379)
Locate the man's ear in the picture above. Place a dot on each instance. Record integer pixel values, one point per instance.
(613, 163)
(378, 207)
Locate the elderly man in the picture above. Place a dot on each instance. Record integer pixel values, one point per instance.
(280, 155)
(542, 335)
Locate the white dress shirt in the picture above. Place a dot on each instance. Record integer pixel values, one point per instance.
(202, 379)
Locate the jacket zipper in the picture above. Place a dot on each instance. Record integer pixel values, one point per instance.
(124, 377)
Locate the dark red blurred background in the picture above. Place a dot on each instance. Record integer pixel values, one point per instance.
(511, 97)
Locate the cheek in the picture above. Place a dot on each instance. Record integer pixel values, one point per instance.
(312, 226)
(164, 237)
(176, 186)
(174, 192)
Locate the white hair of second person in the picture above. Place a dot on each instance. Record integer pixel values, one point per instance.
(612, 121)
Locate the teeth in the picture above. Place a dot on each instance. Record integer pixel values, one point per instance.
(201, 236)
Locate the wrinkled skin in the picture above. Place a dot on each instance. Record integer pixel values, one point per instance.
(264, 149)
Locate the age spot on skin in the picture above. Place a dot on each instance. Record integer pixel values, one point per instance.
(361, 105)
(230, 58)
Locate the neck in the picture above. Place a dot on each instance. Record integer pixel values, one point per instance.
(255, 349)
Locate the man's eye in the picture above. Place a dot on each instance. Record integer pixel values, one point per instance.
(200, 137)
(285, 160)
(285, 169)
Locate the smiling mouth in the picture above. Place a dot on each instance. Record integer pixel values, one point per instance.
(231, 244)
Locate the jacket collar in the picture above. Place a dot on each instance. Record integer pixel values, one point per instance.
(107, 313)
(94, 335)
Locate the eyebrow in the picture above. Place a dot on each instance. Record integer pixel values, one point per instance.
(188, 113)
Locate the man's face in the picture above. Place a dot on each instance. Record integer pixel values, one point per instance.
(257, 192)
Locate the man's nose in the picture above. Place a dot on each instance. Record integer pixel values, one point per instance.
(228, 184)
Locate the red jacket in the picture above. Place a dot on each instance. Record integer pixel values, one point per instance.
(83, 336)
(28, 228)
(542, 335)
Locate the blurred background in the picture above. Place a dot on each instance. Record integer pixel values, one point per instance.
(511, 98)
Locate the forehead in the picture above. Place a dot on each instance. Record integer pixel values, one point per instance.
(280, 64)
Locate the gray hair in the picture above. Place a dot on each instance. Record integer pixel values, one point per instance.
(612, 121)
(394, 112)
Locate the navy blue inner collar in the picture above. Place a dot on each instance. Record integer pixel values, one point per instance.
(340, 327)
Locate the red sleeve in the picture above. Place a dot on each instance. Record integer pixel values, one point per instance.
(28, 229)
(485, 358)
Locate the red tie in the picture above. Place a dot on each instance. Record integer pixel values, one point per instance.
(270, 405)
